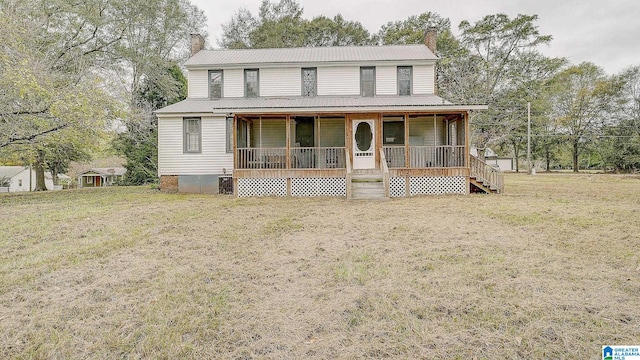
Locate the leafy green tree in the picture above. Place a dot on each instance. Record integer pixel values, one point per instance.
(583, 101)
(497, 49)
(281, 25)
(322, 31)
(57, 55)
(412, 30)
(139, 143)
(621, 140)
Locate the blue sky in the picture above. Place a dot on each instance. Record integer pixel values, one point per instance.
(583, 30)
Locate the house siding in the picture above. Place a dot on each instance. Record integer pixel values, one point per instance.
(386, 80)
(342, 80)
(280, 82)
(423, 131)
(233, 83)
(212, 159)
(198, 84)
(423, 79)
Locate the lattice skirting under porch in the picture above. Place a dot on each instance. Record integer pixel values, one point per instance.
(262, 187)
(319, 187)
(427, 185)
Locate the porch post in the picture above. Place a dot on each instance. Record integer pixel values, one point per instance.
(235, 155)
(406, 140)
(288, 140)
(435, 130)
(467, 149)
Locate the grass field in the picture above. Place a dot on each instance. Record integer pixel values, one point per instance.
(550, 269)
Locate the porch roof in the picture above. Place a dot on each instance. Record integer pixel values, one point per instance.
(318, 104)
(114, 171)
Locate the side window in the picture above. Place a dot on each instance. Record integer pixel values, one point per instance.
(251, 83)
(309, 82)
(405, 80)
(215, 84)
(192, 135)
(367, 81)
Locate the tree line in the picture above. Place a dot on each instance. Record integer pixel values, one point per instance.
(78, 78)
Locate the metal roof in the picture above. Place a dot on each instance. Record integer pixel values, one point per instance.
(11, 171)
(314, 104)
(310, 55)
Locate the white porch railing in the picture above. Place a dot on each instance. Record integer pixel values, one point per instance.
(300, 158)
(425, 156)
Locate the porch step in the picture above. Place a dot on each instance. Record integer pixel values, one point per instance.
(367, 187)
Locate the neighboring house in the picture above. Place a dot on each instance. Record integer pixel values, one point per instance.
(504, 163)
(359, 122)
(98, 177)
(16, 178)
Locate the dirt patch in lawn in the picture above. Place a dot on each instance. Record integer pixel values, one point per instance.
(550, 269)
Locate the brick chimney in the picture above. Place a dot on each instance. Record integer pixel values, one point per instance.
(430, 39)
(197, 43)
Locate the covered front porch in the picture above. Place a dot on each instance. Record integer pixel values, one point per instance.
(324, 154)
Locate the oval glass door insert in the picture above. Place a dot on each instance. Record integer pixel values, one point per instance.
(363, 136)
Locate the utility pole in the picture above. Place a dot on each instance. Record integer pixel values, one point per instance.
(529, 138)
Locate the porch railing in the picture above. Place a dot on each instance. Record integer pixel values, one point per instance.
(300, 158)
(425, 156)
(262, 158)
(317, 158)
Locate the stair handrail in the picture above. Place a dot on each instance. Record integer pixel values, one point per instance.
(484, 172)
(385, 172)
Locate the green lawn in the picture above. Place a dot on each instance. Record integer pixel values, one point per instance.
(549, 269)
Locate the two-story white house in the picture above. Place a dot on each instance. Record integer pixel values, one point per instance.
(359, 122)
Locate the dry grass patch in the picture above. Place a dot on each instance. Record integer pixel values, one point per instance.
(547, 270)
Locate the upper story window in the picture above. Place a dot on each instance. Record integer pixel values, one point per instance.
(192, 135)
(251, 83)
(309, 82)
(405, 80)
(215, 84)
(367, 81)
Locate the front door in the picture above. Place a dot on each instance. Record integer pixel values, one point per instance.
(364, 156)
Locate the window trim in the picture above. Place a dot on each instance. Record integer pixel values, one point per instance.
(410, 79)
(185, 135)
(257, 83)
(315, 81)
(362, 69)
(211, 97)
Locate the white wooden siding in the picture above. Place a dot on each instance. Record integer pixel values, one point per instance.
(423, 76)
(280, 82)
(386, 80)
(424, 131)
(173, 161)
(343, 80)
(198, 86)
(233, 83)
